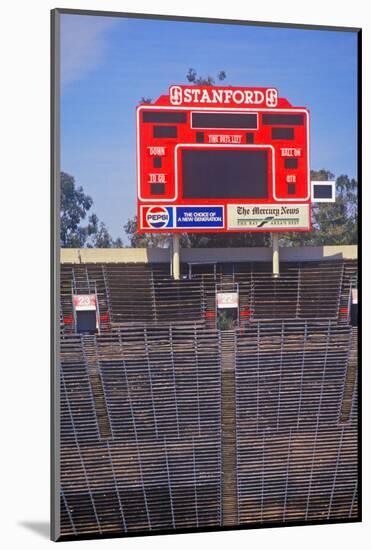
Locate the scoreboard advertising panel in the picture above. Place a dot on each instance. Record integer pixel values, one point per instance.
(220, 159)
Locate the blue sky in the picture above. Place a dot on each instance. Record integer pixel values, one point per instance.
(108, 64)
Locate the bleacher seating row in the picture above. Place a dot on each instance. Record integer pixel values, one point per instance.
(145, 293)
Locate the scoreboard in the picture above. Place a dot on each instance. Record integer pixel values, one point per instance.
(223, 159)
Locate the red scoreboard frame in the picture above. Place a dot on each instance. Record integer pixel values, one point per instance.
(220, 159)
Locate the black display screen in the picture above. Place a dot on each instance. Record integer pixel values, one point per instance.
(165, 116)
(86, 321)
(225, 173)
(225, 120)
(290, 120)
(322, 191)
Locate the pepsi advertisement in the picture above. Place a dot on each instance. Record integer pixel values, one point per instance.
(182, 217)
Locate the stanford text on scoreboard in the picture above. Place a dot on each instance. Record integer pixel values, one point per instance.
(223, 159)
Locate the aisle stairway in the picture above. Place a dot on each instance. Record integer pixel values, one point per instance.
(229, 480)
(350, 378)
(89, 346)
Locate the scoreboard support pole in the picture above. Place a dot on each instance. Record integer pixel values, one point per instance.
(276, 255)
(175, 260)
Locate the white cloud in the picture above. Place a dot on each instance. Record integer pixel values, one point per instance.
(83, 45)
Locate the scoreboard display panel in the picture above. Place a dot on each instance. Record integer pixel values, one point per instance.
(220, 159)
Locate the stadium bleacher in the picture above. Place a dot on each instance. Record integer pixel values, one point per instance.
(169, 423)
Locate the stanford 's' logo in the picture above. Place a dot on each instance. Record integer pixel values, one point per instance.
(271, 97)
(176, 95)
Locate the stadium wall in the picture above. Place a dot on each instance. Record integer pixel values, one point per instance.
(204, 255)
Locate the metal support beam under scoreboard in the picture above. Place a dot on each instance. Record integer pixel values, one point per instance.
(276, 255)
(175, 259)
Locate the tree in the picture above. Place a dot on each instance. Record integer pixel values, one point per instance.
(138, 240)
(336, 223)
(74, 208)
(102, 238)
(199, 80)
(148, 240)
(333, 223)
(193, 240)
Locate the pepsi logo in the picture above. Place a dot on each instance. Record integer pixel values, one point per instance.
(157, 217)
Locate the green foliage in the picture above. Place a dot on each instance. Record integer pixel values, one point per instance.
(336, 223)
(333, 223)
(199, 80)
(193, 240)
(149, 240)
(102, 238)
(73, 210)
(144, 240)
(74, 207)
